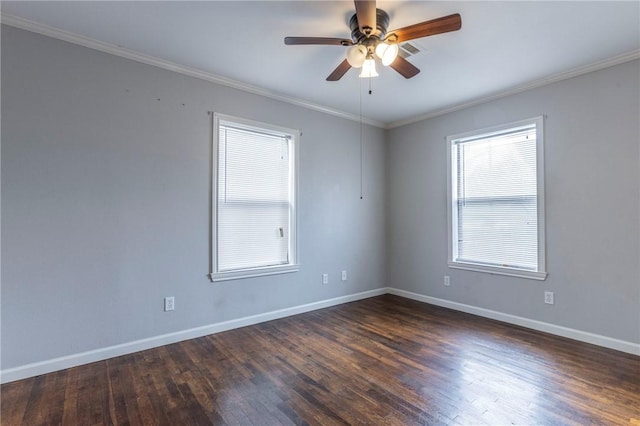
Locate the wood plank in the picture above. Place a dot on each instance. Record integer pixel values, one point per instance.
(384, 360)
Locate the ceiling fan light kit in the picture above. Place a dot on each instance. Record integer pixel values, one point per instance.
(370, 40)
(368, 69)
(356, 55)
(387, 53)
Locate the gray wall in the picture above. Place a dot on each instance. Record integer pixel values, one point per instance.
(592, 179)
(106, 194)
(105, 203)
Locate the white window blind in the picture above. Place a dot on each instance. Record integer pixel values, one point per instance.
(255, 201)
(495, 216)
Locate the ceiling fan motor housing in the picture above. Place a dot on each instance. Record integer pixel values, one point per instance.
(367, 42)
(382, 23)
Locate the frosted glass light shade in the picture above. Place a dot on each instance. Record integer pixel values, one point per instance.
(387, 53)
(368, 69)
(356, 55)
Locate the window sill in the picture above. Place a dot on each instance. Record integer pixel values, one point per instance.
(532, 275)
(250, 273)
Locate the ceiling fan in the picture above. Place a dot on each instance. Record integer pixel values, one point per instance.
(370, 39)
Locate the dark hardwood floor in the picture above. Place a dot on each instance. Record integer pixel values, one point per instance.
(384, 360)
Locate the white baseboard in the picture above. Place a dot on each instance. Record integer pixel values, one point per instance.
(74, 360)
(582, 336)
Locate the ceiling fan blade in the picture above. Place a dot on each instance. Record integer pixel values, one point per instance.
(339, 71)
(366, 13)
(428, 28)
(318, 40)
(404, 67)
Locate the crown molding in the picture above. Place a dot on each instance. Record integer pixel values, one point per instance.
(91, 43)
(122, 52)
(554, 78)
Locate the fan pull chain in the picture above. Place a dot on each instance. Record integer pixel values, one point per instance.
(360, 98)
(361, 127)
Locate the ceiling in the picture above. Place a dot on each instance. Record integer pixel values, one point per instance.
(503, 47)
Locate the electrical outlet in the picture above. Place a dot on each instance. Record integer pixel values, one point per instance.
(325, 278)
(344, 275)
(548, 297)
(169, 303)
(447, 281)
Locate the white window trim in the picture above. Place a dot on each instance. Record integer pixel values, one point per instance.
(452, 237)
(294, 263)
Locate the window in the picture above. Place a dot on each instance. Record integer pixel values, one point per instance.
(254, 199)
(496, 200)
